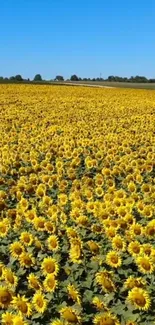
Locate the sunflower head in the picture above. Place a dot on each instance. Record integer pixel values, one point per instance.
(49, 266)
(5, 297)
(7, 318)
(70, 315)
(39, 302)
(113, 259)
(139, 298)
(105, 319)
(50, 283)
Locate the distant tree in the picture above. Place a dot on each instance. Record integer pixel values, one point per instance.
(12, 78)
(152, 80)
(18, 77)
(38, 77)
(59, 78)
(74, 78)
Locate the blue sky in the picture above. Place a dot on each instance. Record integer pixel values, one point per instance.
(85, 37)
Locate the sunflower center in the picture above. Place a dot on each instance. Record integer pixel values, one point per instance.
(114, 259)
(23, 307)
(18, 250)
(5, 298)
(50, 268)
(146, 265)
(106, 321)
(70, 316)
(136, 249)
(140, 301)
(39, 302)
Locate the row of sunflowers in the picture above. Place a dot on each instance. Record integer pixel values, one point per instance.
(77, 206)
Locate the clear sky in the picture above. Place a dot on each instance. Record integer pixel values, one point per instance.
(85, 37)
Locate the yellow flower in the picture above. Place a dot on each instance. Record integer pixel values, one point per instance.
(73, 293)
(26, 260)
(22, 305)
(50, 283)
(94, 247)
(132, 282)
(16, 249)
(105, 319)
(7, 318)
(49, 266)
(139, 298)
(33, 282)
(70, 315)
(57, 322)
(118, 243)
(26, 238)
(4, 227)
(5, 297)
(53, 243)
(99, 304)
(39, 302)
(113, 259)
(134, 248)
(10, 278)
(18, 320)
(145, 264)
(103, 278)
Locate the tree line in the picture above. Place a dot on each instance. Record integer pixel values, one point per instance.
(38, 78)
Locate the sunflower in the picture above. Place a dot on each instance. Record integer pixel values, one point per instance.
(57, 322)
(39, 302)
(50, 227)
(22, 305)
(139, 298)
(105, 319)
(26, 260)
(73, 293)
(132, 282)
(33, 282)
(150, 229)
(49, 266)
(50, 283)
(7, 318)
(75, 253)
(134, 248)
(10, 278)
(130, 323)
(39, 223)
(4, 227)
(99, 191)
(2, 269)
(93, 246)
(5, 297)
(118, 243)
(18, 320)
(16, 249)
(99, 304)
(136, 229)
(26, 238)
(103, 278)
(70, 315)
(53, 243)
(145, 264)
(147, 249)
(113, 259)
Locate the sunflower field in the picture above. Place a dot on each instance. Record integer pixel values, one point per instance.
(77, 206)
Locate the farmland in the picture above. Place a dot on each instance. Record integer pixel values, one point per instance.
(77, 205)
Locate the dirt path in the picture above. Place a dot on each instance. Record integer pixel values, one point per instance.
(86, 85)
